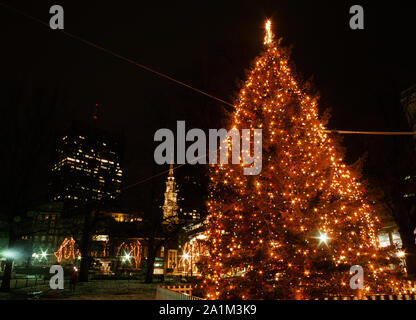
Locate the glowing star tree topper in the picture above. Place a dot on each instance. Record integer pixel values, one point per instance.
(268, 39)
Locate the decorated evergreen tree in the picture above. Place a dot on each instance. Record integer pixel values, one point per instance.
(295, 229)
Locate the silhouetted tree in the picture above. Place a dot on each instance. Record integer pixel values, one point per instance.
(27, 140)
(391, 167)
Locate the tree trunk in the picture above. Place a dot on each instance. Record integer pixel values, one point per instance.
(150, 262)
(85, 260)
(85, 251)
(7, 275)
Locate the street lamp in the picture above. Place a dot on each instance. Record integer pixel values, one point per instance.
(9, 254)
(127, 257)
(43, 254)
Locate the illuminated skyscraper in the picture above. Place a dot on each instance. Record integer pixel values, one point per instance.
(87, 167)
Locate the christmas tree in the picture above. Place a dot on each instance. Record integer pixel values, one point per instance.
(295, 229)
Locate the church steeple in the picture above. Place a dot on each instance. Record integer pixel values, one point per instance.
(170, 207)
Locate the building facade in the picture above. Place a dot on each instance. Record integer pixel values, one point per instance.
(87, 167)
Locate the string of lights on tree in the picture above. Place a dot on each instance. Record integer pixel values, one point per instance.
(67, 251)
(296, 228)
(132, 250)
(192, 253)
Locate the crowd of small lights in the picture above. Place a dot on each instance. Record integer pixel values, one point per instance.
(305, 207)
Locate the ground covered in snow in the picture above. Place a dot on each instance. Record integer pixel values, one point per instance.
(92, 290)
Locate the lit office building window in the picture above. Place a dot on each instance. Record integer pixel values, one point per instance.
(87, 167)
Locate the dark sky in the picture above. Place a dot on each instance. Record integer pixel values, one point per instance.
(208, 44)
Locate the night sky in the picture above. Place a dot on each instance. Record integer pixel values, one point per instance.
(208, 44)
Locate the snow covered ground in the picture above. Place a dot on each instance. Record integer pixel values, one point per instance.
(93, 290)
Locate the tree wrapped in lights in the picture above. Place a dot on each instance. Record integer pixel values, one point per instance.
(295, 229)
(67, 251)
(193, 251)
(132, 250)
